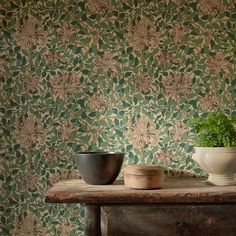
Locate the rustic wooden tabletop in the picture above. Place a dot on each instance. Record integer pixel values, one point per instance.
(174, 190)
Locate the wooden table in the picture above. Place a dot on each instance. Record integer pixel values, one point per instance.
(184, 206)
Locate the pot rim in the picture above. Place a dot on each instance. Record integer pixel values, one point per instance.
(216, 149)
(144, 170)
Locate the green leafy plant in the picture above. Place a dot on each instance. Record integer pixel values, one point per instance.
(216, 130)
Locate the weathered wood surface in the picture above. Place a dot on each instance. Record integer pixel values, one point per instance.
(92, 220)
(175, 190)
(169, 220)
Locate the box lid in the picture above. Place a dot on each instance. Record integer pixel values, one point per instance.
(140, 169)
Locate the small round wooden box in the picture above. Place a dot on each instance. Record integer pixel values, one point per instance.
(143, 176)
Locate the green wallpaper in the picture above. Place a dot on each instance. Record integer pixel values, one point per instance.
(119, 75)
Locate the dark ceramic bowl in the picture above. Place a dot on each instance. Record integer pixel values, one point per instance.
(99, 167)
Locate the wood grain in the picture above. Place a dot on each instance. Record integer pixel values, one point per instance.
(169, 220)
(92, 220)
(175, 190)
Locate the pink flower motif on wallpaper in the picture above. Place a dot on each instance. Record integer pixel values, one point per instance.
(64, 85)
(228, 99)
(218, 63)
(144, 84)
(177, 85)
(154, 36)
(207, 37)
(30, 33)
(66, 228)
(67, 32)
(52, 57)
(96, 103)
(143, 132)
(5, 4)
(30, 225)
(143, 35)
(2, 66)
(177, 2)
(29, 181)
(209, 103)
(66, 2)
(179, 33)
(180, 173)
(209, 6)
(63, 175)
(4, 96)
(52, 156)
(165, 58)
(106, 62)
(31, 83)
(1, 164)
(66, 129)
(178, 130)
(58, 177)
(97, 5)
(165, 157)
(30, 131)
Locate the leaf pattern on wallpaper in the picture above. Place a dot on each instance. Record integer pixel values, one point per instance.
(118, 75)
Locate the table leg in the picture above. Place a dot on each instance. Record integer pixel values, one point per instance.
(92, 220)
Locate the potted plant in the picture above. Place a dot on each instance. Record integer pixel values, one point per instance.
(216, 147)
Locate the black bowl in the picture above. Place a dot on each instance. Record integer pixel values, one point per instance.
(99, 167)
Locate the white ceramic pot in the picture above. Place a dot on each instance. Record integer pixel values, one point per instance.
(218, 162)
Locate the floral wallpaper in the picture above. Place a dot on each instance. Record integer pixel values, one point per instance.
(119, 75)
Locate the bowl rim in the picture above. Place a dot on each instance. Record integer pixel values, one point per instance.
(99, 153)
